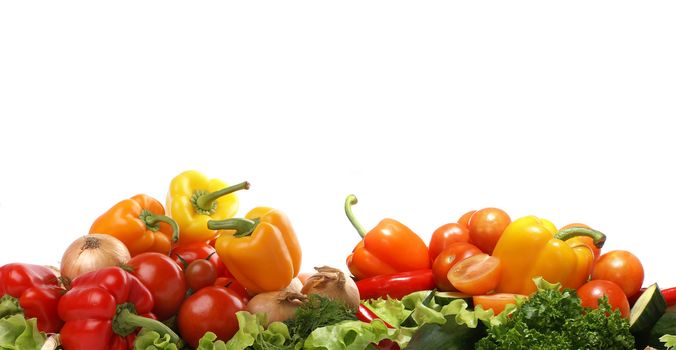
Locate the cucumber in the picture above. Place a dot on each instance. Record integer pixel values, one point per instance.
(665, 325)
(445, 298)
(649, 307)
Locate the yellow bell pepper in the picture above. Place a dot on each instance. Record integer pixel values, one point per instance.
(262, 252)
(531, 247)
(194, 199)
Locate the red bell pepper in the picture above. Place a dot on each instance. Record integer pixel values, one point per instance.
(33, 289)
(397, 285)
(102, 309)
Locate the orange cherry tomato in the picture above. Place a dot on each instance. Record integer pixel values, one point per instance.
(445, 236)
(486, 227)
(464, 219)
(592, 291)
(476, 275)
(621, 267)
(588, 241)
(496, 302)
(447, 259)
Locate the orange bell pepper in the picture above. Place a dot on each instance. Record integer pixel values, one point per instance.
(140, 223)
(261, 251)
(388, 248)
(531, 247)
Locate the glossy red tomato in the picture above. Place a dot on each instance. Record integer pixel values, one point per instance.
(163, 278)
(486, 227)
(234, 285)
(464, 219)
(185, 254)
(447, 259)
(621, 267)
(592, 291)
(478, 274)
(199, 274)
(210, 309)
(446, 235)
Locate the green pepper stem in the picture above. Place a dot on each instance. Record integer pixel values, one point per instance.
(205, 202)
(349, 202)
(598, 237)
(244, 227)
(126, 321)
(152, 220)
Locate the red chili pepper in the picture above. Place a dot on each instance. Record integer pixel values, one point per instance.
(670, 296)
(102, 309)
(33, 289)
(397, 285)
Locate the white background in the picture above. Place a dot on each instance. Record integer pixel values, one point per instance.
(424, 110)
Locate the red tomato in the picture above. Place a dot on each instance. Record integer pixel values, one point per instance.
(464, 219)
(621, 267)
(588, 241)
(496, 302)
(447, 259)
(199, 250)
(446, 235)
(486, 227)
(199, 274)
(592, 291)
(163, 278)
(211, 309)
(234, 285)
(476, 275)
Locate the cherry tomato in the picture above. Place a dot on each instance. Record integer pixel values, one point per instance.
(446, 235)
(486, 227)
(496, 302)
(478, 274)
(447, 259)
(592, 291)
(464, 219)
(210, 309)
(234, 285)
(588, 241)
(621, 267)
(163, 278)
(185, 254)
(199, 274)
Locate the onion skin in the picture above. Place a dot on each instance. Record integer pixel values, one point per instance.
(91, 253)
(332, 283)
(278, 306)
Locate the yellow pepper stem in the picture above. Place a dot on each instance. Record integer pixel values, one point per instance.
(349, 202)
(152, 223)
(205, 202)
(598, 237)
(243, 227)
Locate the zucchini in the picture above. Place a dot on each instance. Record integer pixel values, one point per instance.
(649, 307)
(445, 298)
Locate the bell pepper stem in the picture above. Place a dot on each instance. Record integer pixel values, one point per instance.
(152, 221)
(206, 201)
(244, 227)
(349, 202)
(598, 237)
(126, 321)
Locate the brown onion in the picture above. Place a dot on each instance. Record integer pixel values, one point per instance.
(92, 252)
(331, 283)
(295, 286)
(278, 306)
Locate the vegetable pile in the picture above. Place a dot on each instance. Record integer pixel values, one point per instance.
(193, 275)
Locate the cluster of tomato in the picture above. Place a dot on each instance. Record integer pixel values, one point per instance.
(461, 259)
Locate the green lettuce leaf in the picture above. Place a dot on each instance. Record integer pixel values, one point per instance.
(209, 342)
(151, 340)
(17, 333)
(668, 340)
(252, 334)
(389, 310)
(348, 335)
